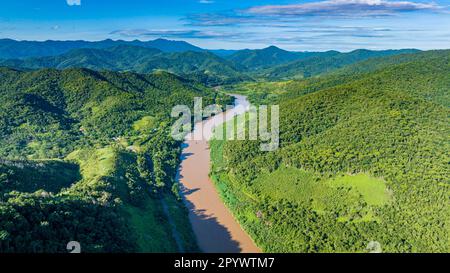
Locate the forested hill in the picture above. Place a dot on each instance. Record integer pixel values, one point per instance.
(270, 56)
(271, 63)
(361, 161)
(86, 156)
(321, 64)
(201, 66)
(275, 91)
(38, 105)
(12, 49)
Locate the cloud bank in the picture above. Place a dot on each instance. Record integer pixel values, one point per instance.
(73, 2)
(183, 33)
(343, 8)
(317, 25)
(328, 8)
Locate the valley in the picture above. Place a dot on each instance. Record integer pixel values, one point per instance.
(86, 152)
(214, 226)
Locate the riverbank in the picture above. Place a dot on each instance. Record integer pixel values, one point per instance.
(216, 230)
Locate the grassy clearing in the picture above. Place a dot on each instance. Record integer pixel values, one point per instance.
(372, 189)
(144, 124)
(346, 199)
(304, 186)
(94, 163)
(288, 183)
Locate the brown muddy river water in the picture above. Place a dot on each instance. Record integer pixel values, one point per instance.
(213, 224)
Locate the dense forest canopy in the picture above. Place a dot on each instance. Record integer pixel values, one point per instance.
(270, 56)
(364, 157)
(85, 152)
(318, 64)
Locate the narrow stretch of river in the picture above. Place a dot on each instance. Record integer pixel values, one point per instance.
(214, 226)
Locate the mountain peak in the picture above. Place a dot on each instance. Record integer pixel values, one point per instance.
(272, 49)
(162, 40)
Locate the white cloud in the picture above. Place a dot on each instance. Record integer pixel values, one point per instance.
(73, 2)
(206, 1)
(344, 8)
(319, 8)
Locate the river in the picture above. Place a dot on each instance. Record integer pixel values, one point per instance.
(214, 226)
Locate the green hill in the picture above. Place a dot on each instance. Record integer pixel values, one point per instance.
(317, 65)
(45, 113)
(265, 92)
(115, 164)
(270, 56)
(201, 66)
(363, 158)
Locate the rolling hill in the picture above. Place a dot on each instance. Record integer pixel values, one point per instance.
(270, 56)
(87, 156)
(317, 65)
(201, 66)
(362, 159)
(85, 152)
(266, 92)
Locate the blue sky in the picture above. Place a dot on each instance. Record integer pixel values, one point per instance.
(291, 24)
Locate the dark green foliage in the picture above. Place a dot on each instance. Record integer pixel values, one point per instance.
(30, 176)
(116, 174)
(392, 123)
(273, 92)
(145, 165)
(46, 113)
(40, 223)
(112, 187)
(202, 66)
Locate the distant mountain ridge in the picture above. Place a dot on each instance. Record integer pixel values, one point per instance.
(270, 56)
(325, 62)
(202, 66)
(211, 67)
(12, 49)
